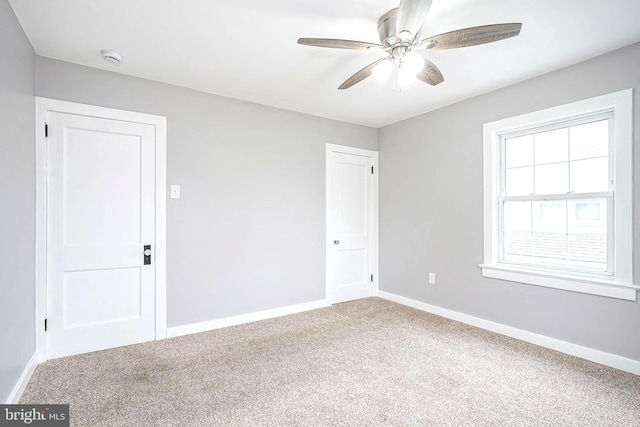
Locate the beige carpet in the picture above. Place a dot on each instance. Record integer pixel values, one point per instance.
(364, 363)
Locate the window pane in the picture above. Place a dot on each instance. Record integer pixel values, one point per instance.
(590, 140)
(552, 146)
(550, 232)
(550, 216)
(517, 216)
(590, 175)
(519, 151)
(587, 211)
(552, 179)
(588, 234)
(518, 243)
(519, 181)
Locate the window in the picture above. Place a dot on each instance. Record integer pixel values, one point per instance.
(557, 196)
(555, 183)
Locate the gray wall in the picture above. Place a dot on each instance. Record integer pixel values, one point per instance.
(431, 211)
(248, 233)
(17, 209)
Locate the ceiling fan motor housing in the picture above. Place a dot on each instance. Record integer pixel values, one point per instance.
(387, 30)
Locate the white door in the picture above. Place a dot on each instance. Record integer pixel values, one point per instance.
(351, 223)
(100, 214)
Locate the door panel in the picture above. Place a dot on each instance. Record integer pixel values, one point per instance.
(100, 296)
(350, 226)
(353, 178)
(101, 207)
(353, 266)
(100, 214)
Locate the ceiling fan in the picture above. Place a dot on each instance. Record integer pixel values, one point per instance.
(399, 31)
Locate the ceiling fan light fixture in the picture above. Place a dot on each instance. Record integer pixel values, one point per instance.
(406, 67)
(401, 76)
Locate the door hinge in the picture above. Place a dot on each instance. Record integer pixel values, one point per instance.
(46, 130)
(372, 278)
(371, 170)
(45, 324)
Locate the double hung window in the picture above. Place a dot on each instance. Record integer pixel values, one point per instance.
(556, 196)
(557, 190)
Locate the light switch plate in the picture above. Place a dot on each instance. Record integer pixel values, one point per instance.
(175, 191)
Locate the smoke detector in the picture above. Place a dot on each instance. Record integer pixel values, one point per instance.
(111, 56)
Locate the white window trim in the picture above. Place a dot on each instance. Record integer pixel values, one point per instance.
(621, 285)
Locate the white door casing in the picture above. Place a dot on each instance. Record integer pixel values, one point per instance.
(352, 223)
(104, 198)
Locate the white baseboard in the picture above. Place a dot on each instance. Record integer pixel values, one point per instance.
(18, 389)
(601, 357)
(194, 328)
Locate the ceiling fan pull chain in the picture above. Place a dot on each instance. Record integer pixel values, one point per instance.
(396, 75)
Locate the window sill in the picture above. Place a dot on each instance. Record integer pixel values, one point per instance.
(605, 288)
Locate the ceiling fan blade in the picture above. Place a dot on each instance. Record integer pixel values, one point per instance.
(339, 44)
(411, 16)
(429, 73)
(360, 75)
(471, 36)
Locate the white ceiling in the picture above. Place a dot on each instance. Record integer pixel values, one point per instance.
(247, 49)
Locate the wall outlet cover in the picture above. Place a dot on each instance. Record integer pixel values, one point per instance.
(175, 191)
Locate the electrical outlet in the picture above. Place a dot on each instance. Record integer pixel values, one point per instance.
(432, 278)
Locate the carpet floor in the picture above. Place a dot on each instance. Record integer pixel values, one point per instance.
(364, 363)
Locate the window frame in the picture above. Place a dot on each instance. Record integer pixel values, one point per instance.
(617, 283)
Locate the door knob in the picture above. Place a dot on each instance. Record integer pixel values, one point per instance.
(147, 254)
(336, 242)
